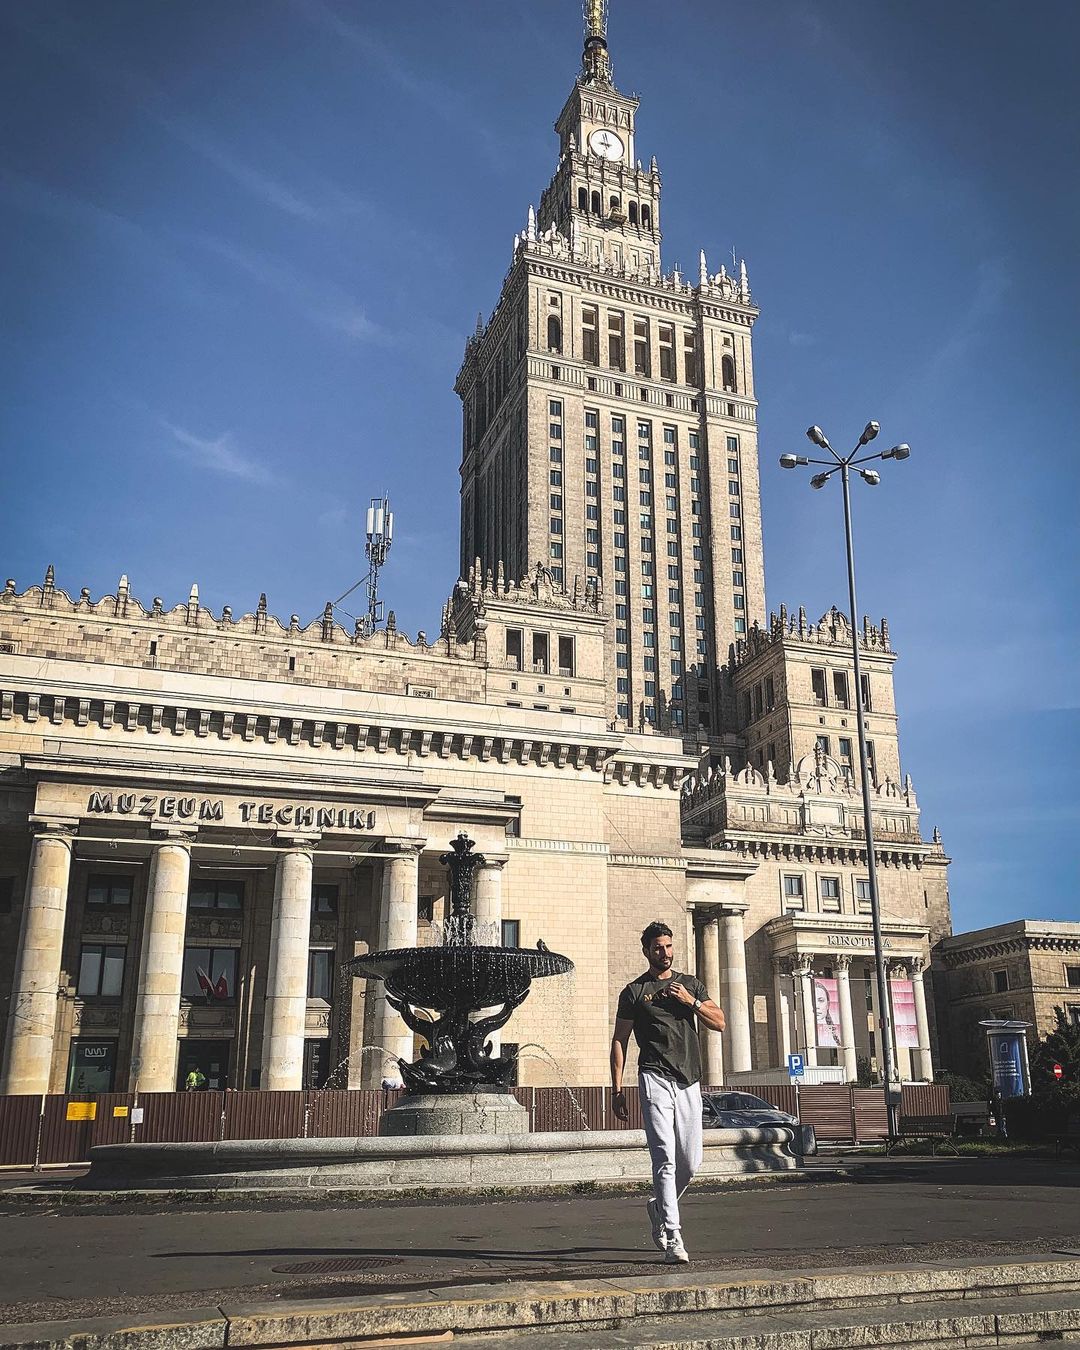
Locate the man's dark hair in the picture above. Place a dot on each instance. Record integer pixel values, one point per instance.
(655, 930)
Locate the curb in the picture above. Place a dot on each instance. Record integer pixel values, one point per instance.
(574, 1306)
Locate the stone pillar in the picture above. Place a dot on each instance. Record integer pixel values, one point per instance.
(161, 965)
(285, 1018)
(397, 928)
(922, 1022)
(488, 910)
(847, 1020)
(31, 1025)
(736, 1000)
(782, 1009)
(803, 972)
(713, 1046)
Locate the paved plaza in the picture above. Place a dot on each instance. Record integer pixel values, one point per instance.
(75, 1262)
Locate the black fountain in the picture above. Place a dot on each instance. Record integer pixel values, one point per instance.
(455, 995)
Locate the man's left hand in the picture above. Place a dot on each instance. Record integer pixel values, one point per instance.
(679, 993)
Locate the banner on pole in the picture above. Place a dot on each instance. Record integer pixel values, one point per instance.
(827, 1014)
(903, 1003)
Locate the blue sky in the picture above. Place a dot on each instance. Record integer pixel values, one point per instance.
(242, 245)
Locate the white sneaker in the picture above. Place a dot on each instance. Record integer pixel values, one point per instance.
(659, 1233)
(676, 1254)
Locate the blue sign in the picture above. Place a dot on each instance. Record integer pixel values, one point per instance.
(1007, 1063)
(795, 1066)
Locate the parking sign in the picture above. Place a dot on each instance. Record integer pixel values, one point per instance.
(795, 1066)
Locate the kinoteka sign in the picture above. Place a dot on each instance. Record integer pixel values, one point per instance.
(226, 811)
(853, 940)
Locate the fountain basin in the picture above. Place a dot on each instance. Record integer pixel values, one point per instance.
(465, 976)
(440, 1162)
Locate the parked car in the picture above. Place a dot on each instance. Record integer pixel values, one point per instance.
(742, 1110)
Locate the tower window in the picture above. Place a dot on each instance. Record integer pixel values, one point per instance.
(554, 334)
(633, 213)
(616, 343)
(690, 359)
(727, 367)
(590, 336)
(667, 352)
(646, 218)
(595, 201)
(817, 683)
(642, 364)
(583, 199)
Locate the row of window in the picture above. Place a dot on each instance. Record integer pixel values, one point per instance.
(793, 887)
(841, 694)
(203, 894)
(636, 213)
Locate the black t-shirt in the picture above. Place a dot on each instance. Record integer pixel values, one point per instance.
(665, 1029)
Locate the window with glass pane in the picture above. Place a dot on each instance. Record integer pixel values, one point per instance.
(210, 894)
(109, 890)
(324, 898)
(793, 888)
(511, 932)
(320, 974)
(210, 973)
(101, 971)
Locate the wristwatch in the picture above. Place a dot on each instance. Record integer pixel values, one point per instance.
(697, 1004)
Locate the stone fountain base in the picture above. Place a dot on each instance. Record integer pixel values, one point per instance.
(436, 1162)
(455, 1113)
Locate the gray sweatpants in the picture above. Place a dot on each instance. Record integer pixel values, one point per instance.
(672, 1118)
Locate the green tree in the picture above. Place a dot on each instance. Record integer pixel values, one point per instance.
(963, 1089)
(1061, 1046)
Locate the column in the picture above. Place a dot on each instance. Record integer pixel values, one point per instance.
(736, 999)
(922, 1022)
(161, 966)
(713, 1066)
(32, 1016)
(397, 928)
(803, 972)
(902, 1065)
(488, 910)
(782, 1009)
(285, 1018)
(842, 965)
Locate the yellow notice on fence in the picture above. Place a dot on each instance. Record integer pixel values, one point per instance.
(81, 1110)
(119, 1110)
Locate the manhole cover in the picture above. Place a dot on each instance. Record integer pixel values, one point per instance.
(341, 1265)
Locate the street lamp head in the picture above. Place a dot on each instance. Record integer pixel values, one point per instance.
(897, 452)
(818, 437)
(819, 480)
(871, 476)
(869, 432)
(792, 461)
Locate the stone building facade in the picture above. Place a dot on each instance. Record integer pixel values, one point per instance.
(1025, 970)
(203, 817)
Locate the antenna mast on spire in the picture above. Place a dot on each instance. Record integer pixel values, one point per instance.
(596, 63)
(380, 533)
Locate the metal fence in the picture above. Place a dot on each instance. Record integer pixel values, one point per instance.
(39, 1131)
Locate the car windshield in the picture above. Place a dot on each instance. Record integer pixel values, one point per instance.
(739, 1101)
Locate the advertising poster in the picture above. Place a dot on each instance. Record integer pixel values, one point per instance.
(827, 1014)
(1007, 1063)
(903, 1002)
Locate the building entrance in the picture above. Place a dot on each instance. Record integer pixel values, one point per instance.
(91, 1066)
(211, 1058)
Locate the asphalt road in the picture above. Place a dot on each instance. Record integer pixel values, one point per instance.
(64, 1262)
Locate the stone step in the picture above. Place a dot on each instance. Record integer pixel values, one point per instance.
(1011, 1321)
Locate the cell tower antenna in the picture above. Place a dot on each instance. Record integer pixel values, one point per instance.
(380, 535)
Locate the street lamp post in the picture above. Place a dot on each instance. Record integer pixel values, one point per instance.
(843, 464)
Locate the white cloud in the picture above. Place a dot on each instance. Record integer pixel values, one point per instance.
(219, 454)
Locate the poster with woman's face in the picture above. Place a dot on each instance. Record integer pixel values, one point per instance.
(827, 1013)
(905, 1031)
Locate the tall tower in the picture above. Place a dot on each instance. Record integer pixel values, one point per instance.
(610, 424)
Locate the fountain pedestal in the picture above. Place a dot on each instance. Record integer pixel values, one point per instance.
(423, 1113)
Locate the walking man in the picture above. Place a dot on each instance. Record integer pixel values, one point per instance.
(663, 1008)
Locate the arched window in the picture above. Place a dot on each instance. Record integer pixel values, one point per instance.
(583, 199)
(646, 218)
(633, 213)
(727, 367)
(554, 333)
(614, 203)
(596, 209)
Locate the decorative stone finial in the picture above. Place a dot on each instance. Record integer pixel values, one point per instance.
(530, 228)
(703, 270)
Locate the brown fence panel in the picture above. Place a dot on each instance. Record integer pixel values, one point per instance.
(180, 1117)
(871, 1117)
(609, 1120)
(264, 1115)
(341, 1113)
(926, 1101)
(828, 1107)
(18, 1130)
(108, 1128)
(64, 1140)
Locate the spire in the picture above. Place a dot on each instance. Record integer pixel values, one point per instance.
(595, 61)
